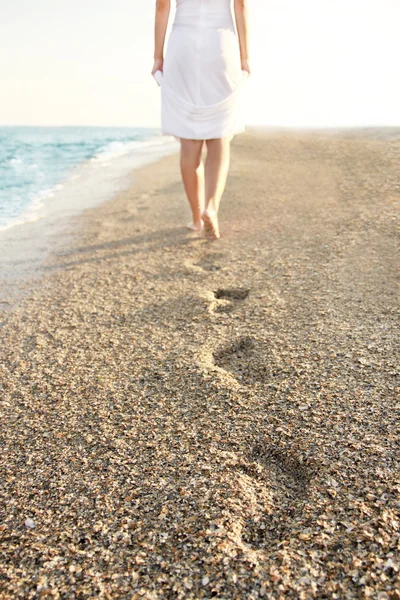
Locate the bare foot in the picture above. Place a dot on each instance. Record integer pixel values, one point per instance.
(195, 226)
(210, 221)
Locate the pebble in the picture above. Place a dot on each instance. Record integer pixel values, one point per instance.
(30, 523)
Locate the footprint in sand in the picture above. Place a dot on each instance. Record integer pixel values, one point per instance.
(288, 477)
(265, 491)
(129, 214)
(229, 299)
(207, 263)
(250, 361)
(141, 205)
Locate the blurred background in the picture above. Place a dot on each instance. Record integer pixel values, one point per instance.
(315, 63)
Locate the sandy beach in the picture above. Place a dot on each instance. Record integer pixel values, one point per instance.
(190, 419)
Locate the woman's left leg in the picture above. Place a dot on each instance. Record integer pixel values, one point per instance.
(192, 170)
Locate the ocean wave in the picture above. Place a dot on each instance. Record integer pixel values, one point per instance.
(115, 149)
(34, 168)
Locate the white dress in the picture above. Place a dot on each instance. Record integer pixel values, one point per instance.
(202, 79)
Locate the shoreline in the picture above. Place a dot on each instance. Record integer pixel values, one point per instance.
(25, 245)
(189, 419)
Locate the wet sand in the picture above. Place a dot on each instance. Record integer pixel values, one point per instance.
(183, 418)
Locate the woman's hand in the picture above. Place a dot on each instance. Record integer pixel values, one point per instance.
(158, 65)
(245, 65)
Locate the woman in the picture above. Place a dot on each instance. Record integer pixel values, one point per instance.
(201, 79)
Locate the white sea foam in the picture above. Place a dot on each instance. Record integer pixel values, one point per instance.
(31, 213)
(117, 149)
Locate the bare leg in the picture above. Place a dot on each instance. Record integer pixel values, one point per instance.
(192, 171)
(216, 173)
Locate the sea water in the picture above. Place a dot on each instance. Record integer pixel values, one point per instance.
(49, 174)
(44, 168)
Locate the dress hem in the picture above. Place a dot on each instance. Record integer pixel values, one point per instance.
(214, 137)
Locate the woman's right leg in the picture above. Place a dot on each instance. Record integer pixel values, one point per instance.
(216, 172)
(192, 171)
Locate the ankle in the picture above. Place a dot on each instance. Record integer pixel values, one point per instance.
(210, 208)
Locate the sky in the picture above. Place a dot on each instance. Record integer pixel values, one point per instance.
(88, 62)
